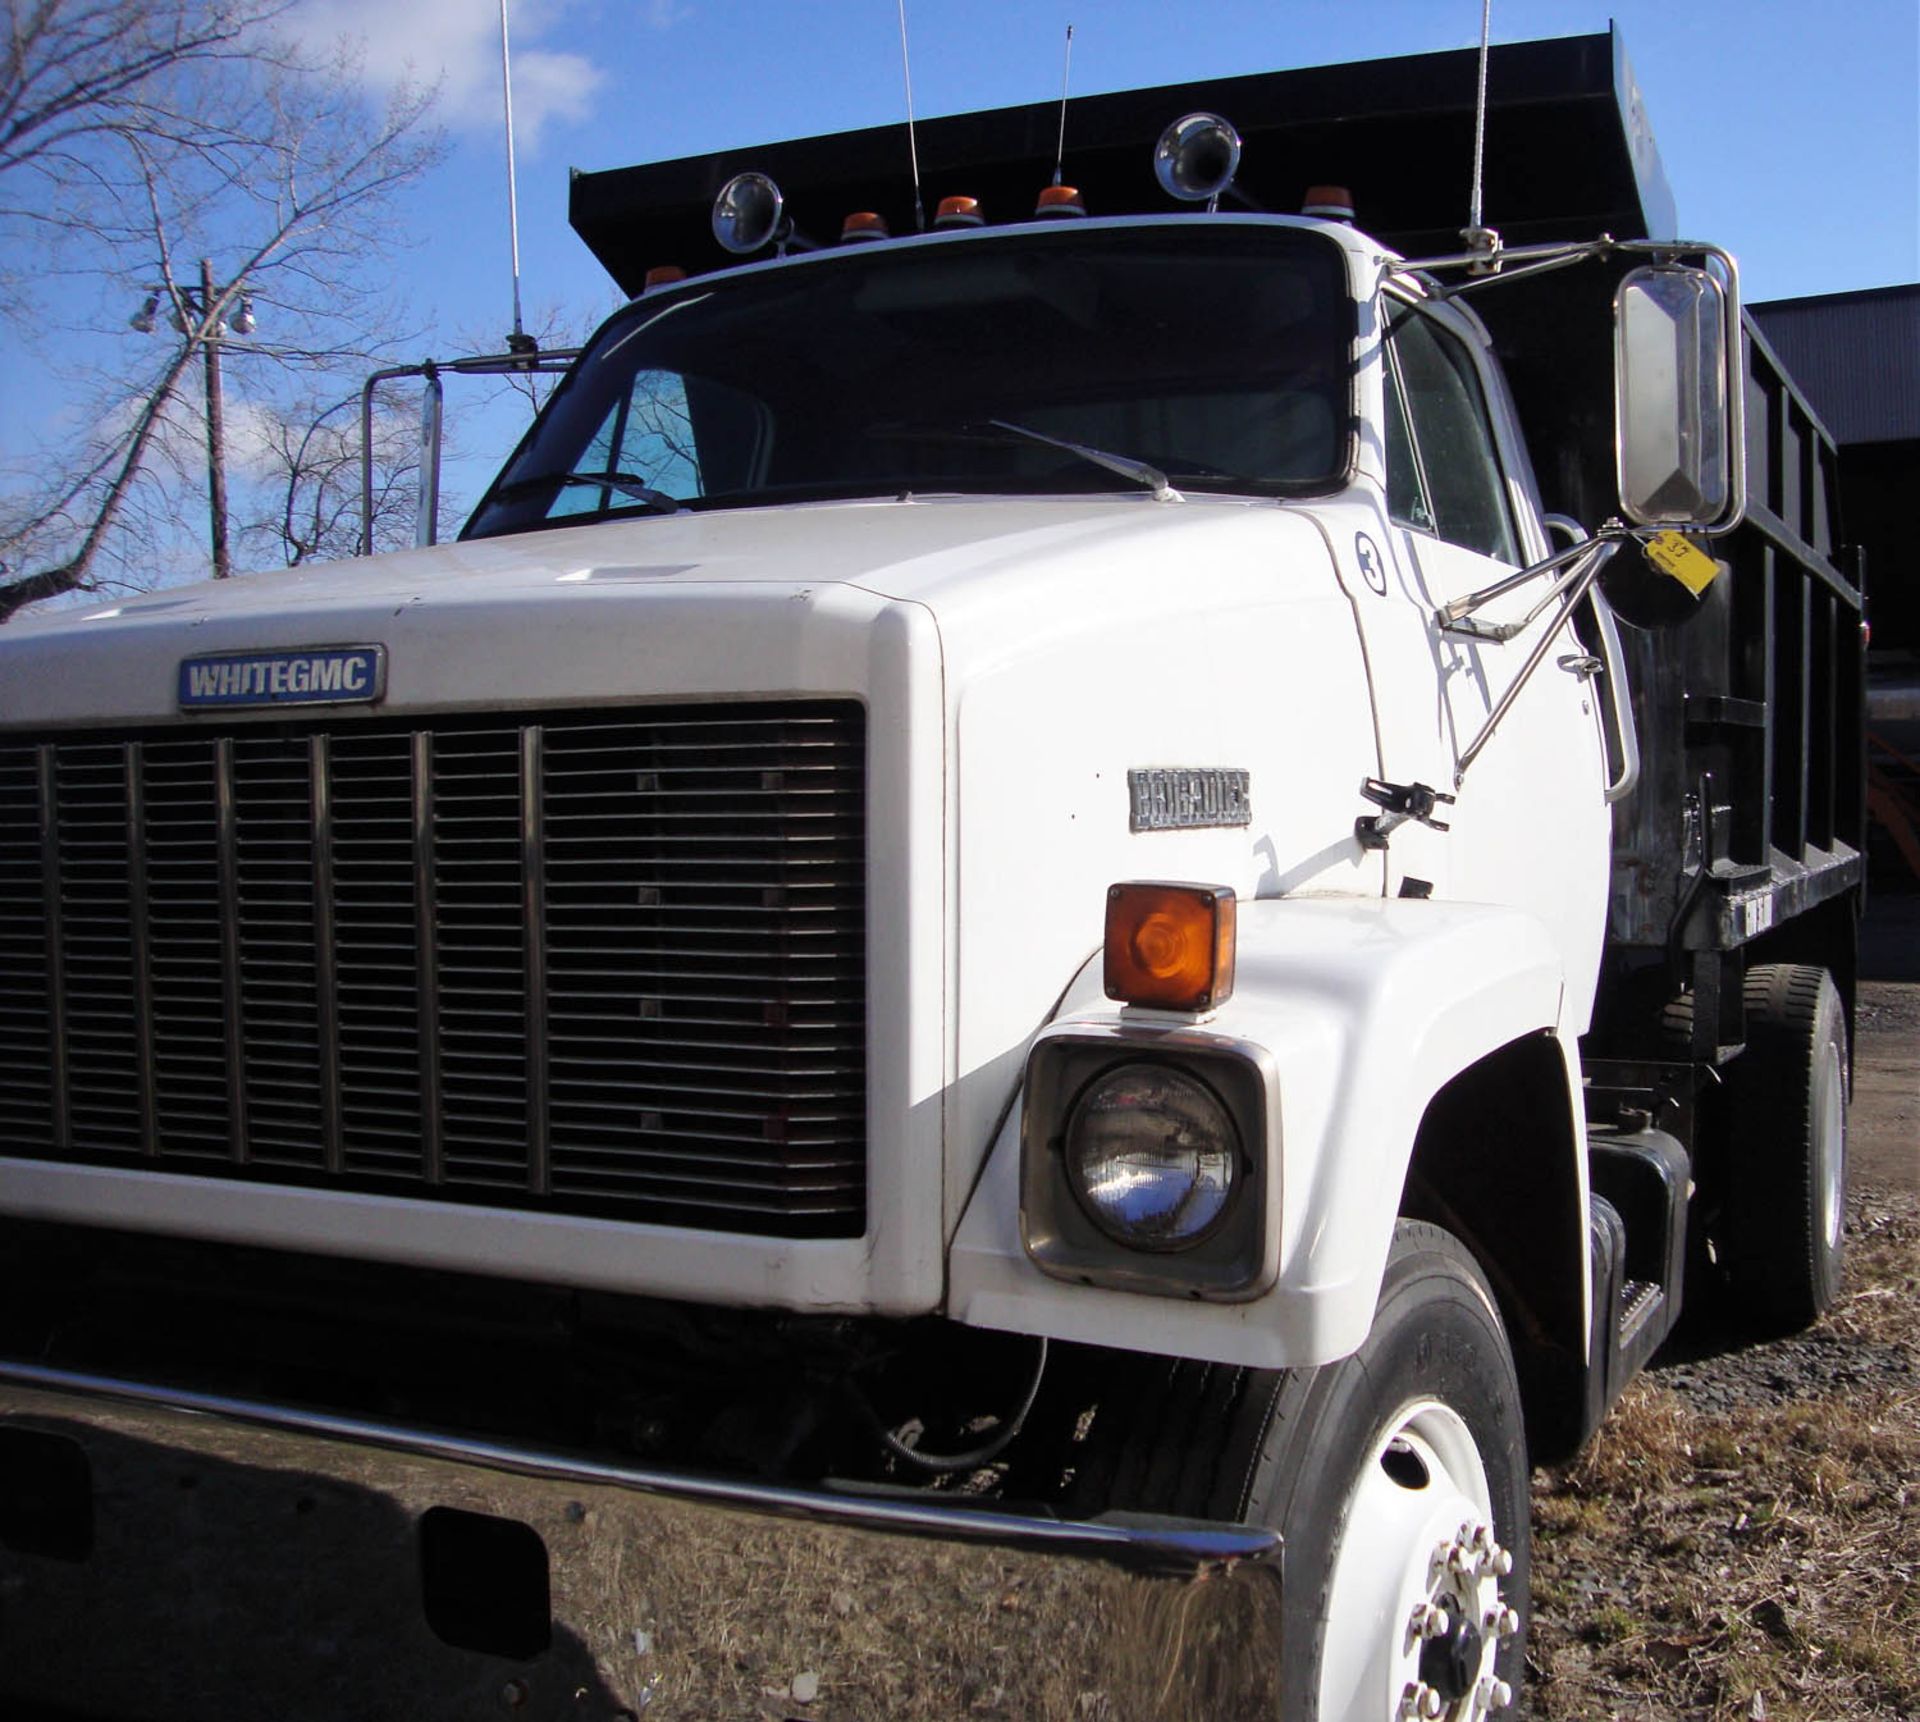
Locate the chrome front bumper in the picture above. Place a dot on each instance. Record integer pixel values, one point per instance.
(169, 1555)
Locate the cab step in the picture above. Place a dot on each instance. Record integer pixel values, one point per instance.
(1640, 1184)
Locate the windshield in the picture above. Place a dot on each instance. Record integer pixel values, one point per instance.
(1215, 354)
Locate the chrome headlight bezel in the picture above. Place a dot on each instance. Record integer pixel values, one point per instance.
(1231, 1258)
(1199, 1169)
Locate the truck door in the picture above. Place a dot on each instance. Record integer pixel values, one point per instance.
(1531, 826)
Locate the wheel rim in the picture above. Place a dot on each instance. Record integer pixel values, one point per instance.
(1415, 1615)
(1830, 1147)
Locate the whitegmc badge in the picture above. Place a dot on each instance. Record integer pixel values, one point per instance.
(314, 676)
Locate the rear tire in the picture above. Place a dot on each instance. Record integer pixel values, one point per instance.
(1787, 1110)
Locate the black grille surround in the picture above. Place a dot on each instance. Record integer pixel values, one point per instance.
(601, 963)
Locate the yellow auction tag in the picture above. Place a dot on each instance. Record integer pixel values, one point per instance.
(1684, 560)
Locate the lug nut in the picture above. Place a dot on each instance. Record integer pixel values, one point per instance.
(1429, 1621)
(1492, 1694)
(1492, 1559)
(1420, 1700)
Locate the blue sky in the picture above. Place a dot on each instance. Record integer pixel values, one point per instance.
(1790, 131)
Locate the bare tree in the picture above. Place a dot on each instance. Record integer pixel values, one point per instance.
(78, 78)
(286, 191)
(308, 502)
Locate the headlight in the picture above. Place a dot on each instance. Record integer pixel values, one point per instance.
(1152, 1156)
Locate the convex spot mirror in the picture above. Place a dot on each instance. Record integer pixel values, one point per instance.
(747, 213)
(1197, 158)
(1675, 427)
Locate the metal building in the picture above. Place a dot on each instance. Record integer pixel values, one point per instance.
(1857, 357)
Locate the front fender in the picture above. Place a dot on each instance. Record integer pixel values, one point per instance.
(1362, 1010)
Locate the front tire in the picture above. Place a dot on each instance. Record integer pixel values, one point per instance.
(1399, 1480)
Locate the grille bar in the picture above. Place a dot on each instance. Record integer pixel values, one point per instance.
(56, 951)
(432, 1108)
(608, 964)
(534, 842)
(140, 929)
(326, 942)
(226, 848)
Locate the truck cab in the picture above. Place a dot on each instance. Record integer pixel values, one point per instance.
(982, 902)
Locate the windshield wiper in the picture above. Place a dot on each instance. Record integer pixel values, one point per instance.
(627, 483)
(1124, 464)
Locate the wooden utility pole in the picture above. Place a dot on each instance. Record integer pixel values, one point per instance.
(211, 330)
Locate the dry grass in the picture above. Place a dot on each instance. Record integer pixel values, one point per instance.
(1759, 1559)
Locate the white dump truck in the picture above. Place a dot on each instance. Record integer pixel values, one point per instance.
(1071, 911)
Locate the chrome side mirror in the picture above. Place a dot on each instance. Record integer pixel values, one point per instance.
(1677, 405)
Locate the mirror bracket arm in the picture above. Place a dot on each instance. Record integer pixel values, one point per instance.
(1454, 617)
(1598, 552)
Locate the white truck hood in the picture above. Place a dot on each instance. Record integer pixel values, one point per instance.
(687, 606)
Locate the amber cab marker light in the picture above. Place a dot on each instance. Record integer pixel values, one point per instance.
(662, 275)
(1169, 945)
(1329, 203)
(1060, 200)
(959, 212)
(864, 224)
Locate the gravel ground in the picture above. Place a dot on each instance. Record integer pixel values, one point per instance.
(1742, 1539)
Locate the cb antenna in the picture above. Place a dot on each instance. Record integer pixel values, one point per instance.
(913, 149)
(1066, 77)
(519, 341)
(1480, 239)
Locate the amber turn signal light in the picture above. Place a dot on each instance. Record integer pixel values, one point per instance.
(1170, 945)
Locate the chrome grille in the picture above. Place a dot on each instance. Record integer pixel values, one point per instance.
(586, 964)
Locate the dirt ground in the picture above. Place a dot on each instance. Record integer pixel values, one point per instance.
(1742, 1540)
(1885, 1118)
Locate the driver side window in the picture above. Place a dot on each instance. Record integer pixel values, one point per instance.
(1443, 471)
(648, 436)
(685, 436)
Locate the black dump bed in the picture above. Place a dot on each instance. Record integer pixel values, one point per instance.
(1750, 701)
(1568, 155)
